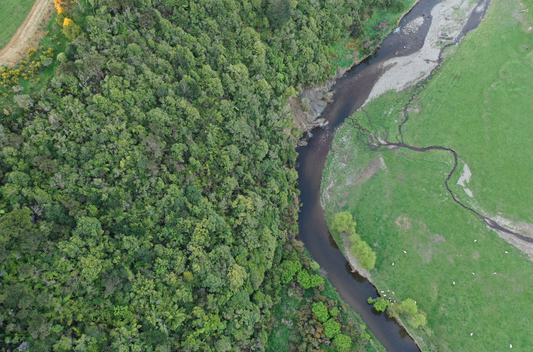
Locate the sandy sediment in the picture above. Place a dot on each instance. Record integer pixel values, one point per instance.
(448, 20)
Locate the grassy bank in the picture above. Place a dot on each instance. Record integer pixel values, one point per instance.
(474, 287)
(12, 14)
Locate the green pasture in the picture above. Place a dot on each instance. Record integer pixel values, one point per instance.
(12, 14)
(479, 104)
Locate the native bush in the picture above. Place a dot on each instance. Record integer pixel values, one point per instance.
(320, 311)
(332, 328)
(343, 342)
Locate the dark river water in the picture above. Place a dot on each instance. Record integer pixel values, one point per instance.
(349, 94)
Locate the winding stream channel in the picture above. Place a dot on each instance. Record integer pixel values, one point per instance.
(349, 94)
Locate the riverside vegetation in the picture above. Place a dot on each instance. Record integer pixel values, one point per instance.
(473, 286)
(148, 196)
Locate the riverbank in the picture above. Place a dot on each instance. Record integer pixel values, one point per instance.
(473, 286)
(310, 103)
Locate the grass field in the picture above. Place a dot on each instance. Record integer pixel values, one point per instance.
(12, 14)
(479, 104)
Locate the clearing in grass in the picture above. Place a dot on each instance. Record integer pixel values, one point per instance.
(475, 288)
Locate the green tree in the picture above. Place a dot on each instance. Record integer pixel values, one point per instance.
(290, 268)
(24, 101)
(278, 12)
(343, 222)
(88, 227)
(332, 328)
(380, 303)
(14, 224)
(70, 29)
(364, 254)
(418, 320)
(61, 57)
(334, 311)
(236, 276)
(309, 281)
(320, 311)
(409, 307)
(343, 342)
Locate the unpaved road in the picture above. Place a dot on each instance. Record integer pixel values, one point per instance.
(28, 34)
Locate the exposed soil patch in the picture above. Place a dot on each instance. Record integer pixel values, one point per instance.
(403, 222)
(371, 169)
(28, 34)
(439, 238)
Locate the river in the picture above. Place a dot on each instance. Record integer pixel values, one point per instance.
(349, 93)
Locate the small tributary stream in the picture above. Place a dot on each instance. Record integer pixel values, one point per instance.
(349, 93)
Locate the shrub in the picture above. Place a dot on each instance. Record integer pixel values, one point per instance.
(320, 311)
(309, 281)
(334, 311)
(62, 57)
(290, 267)
(332, 328)
(343, 342)
(418, 320)
(398, 6)
(409, 307)
(380, 303)
(364, 254)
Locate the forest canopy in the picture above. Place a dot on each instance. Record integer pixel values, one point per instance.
(148, 190)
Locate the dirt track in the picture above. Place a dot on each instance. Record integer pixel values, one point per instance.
(28, 34)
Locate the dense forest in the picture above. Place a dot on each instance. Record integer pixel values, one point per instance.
(148, 196)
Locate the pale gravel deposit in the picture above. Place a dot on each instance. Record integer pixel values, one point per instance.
(413, 26)
(448, 19)
(465, 178)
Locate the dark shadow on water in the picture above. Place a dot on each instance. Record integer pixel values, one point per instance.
(354, 275)
(332, 243)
